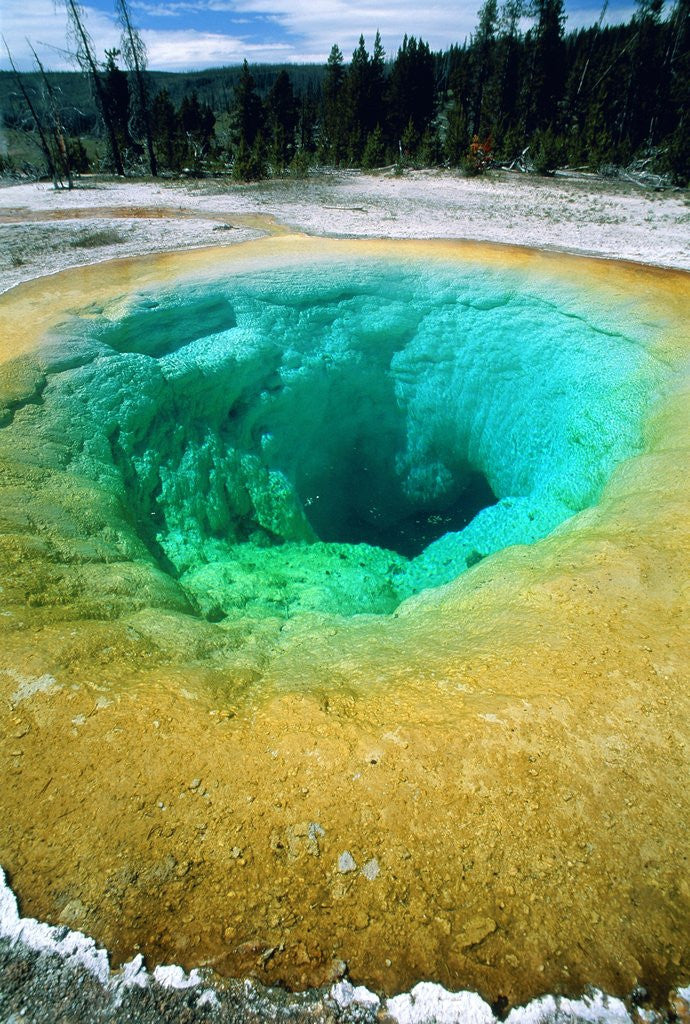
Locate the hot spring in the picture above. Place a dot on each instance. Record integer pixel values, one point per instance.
(337, 438)
(315, 548)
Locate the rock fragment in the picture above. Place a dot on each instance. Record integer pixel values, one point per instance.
(346, 863)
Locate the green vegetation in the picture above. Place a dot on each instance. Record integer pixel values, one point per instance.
(538, 99)
(97, 239)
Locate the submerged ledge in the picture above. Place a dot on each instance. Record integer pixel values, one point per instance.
(336, 437)
(506, 750)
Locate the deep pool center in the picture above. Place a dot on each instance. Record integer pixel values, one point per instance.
(338, 437)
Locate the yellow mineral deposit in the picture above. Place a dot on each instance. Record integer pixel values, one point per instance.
(487, 787)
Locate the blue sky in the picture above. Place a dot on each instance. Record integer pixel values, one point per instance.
(188, 34)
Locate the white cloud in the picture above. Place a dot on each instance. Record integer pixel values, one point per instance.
(341, 21)
(184, 49)
(300, 31)
(45, 24)
(439, 23)
(173, 10)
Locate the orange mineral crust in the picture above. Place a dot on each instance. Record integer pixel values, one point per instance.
(486, 786)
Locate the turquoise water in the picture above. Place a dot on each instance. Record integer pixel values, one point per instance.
(339, 437)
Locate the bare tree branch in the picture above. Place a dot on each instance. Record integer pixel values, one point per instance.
(56, 121)
(88, 64)
(135, 57)
(34, 113)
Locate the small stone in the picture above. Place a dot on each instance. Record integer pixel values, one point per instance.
(680, 1005)
(371, 869)
(195, 783)
(73, 914)
(346, 863)
(235, 853)
(338, 970)
(315, 833)
(476, 930)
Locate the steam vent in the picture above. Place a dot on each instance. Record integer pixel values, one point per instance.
(343, 614)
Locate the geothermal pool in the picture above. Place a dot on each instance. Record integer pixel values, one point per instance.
(338, 437)
(342, 617)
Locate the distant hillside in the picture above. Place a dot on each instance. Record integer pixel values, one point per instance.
(213, 86)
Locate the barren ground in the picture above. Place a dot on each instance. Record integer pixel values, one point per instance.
(42, 231)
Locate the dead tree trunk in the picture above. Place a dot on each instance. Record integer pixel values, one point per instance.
(45, 146)
(134, 52)
(56, 122)
(88, 64)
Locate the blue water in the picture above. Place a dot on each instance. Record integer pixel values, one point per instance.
(338, 437)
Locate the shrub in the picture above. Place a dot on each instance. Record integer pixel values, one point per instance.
(78, 157)
(546, 152)
(250, 164)
(374, 154)
(97, 239)
(678, 156)
(479, 156)
(300, 164)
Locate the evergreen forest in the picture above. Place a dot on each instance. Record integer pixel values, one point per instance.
(521, 92)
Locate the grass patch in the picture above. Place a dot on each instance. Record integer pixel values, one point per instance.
(97, 239)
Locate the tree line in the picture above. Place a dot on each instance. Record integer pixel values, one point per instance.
(535, 97)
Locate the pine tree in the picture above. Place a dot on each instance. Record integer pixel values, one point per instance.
(196, 123)
(374, 154)
(332, 136)
(547, 80)
(484, 65)
(678, 153)
(78, 157)
(357, 103)
(457, 136)
(135, 57)
(117, 100)
(509, 65)
(306, 121)
(644, 78)
(412, 90)
(62, 152)
(167, 131)
(250, 161)
(87, 62)
(248, 114)
(37, 119)
(377, 85)
(282, 120)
